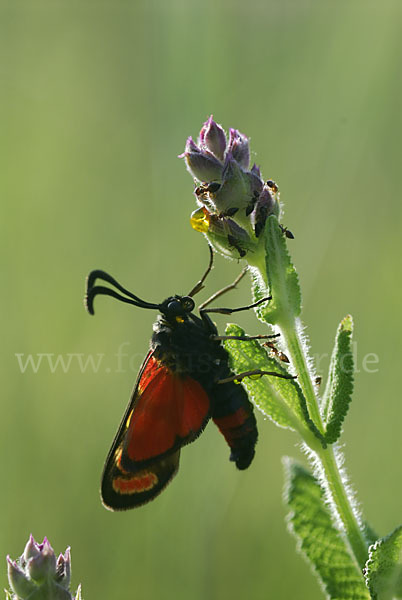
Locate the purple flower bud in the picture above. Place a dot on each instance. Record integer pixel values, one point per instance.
(19, 582)
(256, 184)
(200, 163)
(44, 564)
(235, 190)
(32, 549)
(256, 170)
(63, 569)
(213, 138)
(191, 146)
(234, 203)
(37, 574)
(264, 207)
(239, 147)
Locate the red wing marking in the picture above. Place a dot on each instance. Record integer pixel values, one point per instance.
(168, 409)
(141, 482)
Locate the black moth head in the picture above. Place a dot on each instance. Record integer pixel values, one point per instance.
(176, 307)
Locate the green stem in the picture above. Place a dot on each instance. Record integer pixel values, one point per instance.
(326, 456)
(295, 348)
(284, 318)
(343, 505)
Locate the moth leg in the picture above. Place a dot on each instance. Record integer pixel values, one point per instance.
(208, 323)
(257, 373)
(229, 311)
(227, 288)
(245, 338)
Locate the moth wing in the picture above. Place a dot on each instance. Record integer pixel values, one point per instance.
(166, 411)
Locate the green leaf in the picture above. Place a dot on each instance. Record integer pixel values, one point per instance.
(282, 278)
(338, 392)
(318, 539)
(279, 399)
(383, 570)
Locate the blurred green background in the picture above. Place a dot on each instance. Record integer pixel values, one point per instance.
(97, 99)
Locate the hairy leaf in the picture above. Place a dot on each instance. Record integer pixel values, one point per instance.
(280, 399)
(338, 392)
(282, 278)
(318, 539)
(383, 570)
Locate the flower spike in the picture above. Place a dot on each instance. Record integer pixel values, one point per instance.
(38, 574)
(233, 201)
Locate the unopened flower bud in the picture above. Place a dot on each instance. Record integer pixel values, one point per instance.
(256, 170)
(265, 206)
(200, 163)
(223, 232)
(234, 202)
(63, 569)
(239, 147)
(19, 582)
(213, 138)
(43, 565)
(235, 188)
(31, 549)
(37, 575)
(256, 184)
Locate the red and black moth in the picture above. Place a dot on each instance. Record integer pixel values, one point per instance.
(184, 381)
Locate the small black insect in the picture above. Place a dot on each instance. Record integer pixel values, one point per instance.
(207, 188)
(287, 232)
(274, 350)
(236, 245)
(230, 212)
(271, 184)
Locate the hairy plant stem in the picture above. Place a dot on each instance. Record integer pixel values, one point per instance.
(328, 465)
(331, 477)
(290, 332)
(341, 499)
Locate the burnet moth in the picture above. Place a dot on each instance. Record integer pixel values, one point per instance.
(184, 381)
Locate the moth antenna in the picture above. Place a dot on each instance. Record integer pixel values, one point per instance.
(94, 290)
